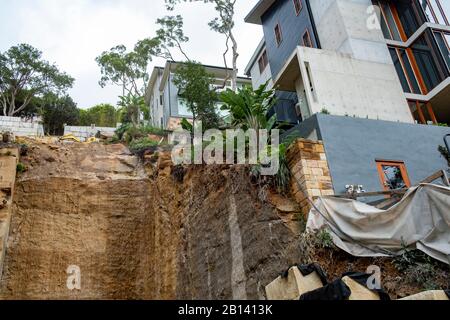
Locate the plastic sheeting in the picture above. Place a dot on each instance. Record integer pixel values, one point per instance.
(420, 220)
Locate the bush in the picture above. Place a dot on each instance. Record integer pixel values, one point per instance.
(127, 132)
(21, 168)
(325, 240)
(142, 144)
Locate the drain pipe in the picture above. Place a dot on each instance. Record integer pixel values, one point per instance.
(446, 142)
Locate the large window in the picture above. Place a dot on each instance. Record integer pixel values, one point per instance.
(307, 39)
(388, 25)
(404, 70)
(429, 61)
(443, 41)
(422, 112)
(436, 11)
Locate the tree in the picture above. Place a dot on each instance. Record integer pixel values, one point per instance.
(125, 69)
(102, 115)
(223, 24)
(194, 85)
(58, 111)
(24, 72)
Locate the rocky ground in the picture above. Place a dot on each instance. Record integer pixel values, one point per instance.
(156, 231)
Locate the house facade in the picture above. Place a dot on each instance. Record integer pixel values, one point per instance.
(379, 68)
(167, 108)
(336, 57)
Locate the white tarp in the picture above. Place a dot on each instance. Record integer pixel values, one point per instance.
(421, 220)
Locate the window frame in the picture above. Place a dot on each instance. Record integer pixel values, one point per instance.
(306, 33)
(263, 61)
(278, 35)
(300, 4)
(392, 163)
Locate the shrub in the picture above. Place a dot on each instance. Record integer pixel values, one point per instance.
(325, 240)
(142, 144)
(21, 168)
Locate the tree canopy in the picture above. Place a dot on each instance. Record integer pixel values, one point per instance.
(24, 75)
(102, 115)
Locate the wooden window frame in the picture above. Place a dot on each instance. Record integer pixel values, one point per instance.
(403, 170)
(298, 10)
(263, 62)
(308, 35)
(280, 40)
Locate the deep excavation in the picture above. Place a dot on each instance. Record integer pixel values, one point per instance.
(202, 233)
(149, 230)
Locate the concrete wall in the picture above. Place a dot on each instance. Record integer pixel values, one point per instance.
(342, 25)
(20, 127)
(347, 86)
(87, 132)
(292, 29)
(354, 145)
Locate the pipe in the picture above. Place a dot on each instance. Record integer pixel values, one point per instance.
(446, 142)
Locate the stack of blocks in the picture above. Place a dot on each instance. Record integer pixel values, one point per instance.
(310, 172)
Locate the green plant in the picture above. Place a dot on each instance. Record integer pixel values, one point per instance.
(410, 257)
(422, 274)
(324, 239)
(325, 111)
(21, 168)
(139, 145)
(248, 108)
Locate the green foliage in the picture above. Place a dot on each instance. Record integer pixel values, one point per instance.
(325, 111)
(127, 132)
(102, 115)
(325, 240)
(248, 108)
(194, 85)
(24, 75)
(131, 108)
(141, 144)
(125, 69)
(21, 168)
(58, 111)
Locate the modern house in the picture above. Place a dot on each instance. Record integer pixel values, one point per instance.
(336, 56)
(167, 108)
(380, 68)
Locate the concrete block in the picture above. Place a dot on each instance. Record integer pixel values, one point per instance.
(292, 287)
(359, 292)
(438, 295)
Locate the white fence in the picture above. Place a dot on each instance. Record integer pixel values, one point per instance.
(87, 132)
(21, 127)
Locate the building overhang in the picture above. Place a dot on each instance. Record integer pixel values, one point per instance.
(439, 98)
(257, 12)
(285, 80)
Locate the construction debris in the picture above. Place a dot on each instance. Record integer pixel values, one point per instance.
(430, 295)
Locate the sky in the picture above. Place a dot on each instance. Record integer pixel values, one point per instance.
(72, 33)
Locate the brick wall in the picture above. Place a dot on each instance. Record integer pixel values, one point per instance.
(20, 127)
(310, 172)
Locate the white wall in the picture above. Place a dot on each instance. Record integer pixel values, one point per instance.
(87, 132)
(259, 78)
(21, 127)
(347, 86)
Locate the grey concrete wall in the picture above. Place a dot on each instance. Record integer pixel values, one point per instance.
(87, 132)
(20, 127)
(354, 145)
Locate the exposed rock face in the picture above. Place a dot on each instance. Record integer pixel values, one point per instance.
(208, 237)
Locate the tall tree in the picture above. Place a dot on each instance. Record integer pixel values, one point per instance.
(58, 111)
(24, 72)
(125, 69)
(223, 24)
(102, 115)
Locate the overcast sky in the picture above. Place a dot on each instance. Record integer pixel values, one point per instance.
(72, 33)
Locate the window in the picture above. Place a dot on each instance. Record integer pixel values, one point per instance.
(278, 35)
(307, 39)
(422, 112)
(388, 24)
(444, 45)
(263, 62)
(404, 70)
(436, 10)
(161, 99)
(298, 6)
(393, 175)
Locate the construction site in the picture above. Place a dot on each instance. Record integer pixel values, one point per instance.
(139, 227)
